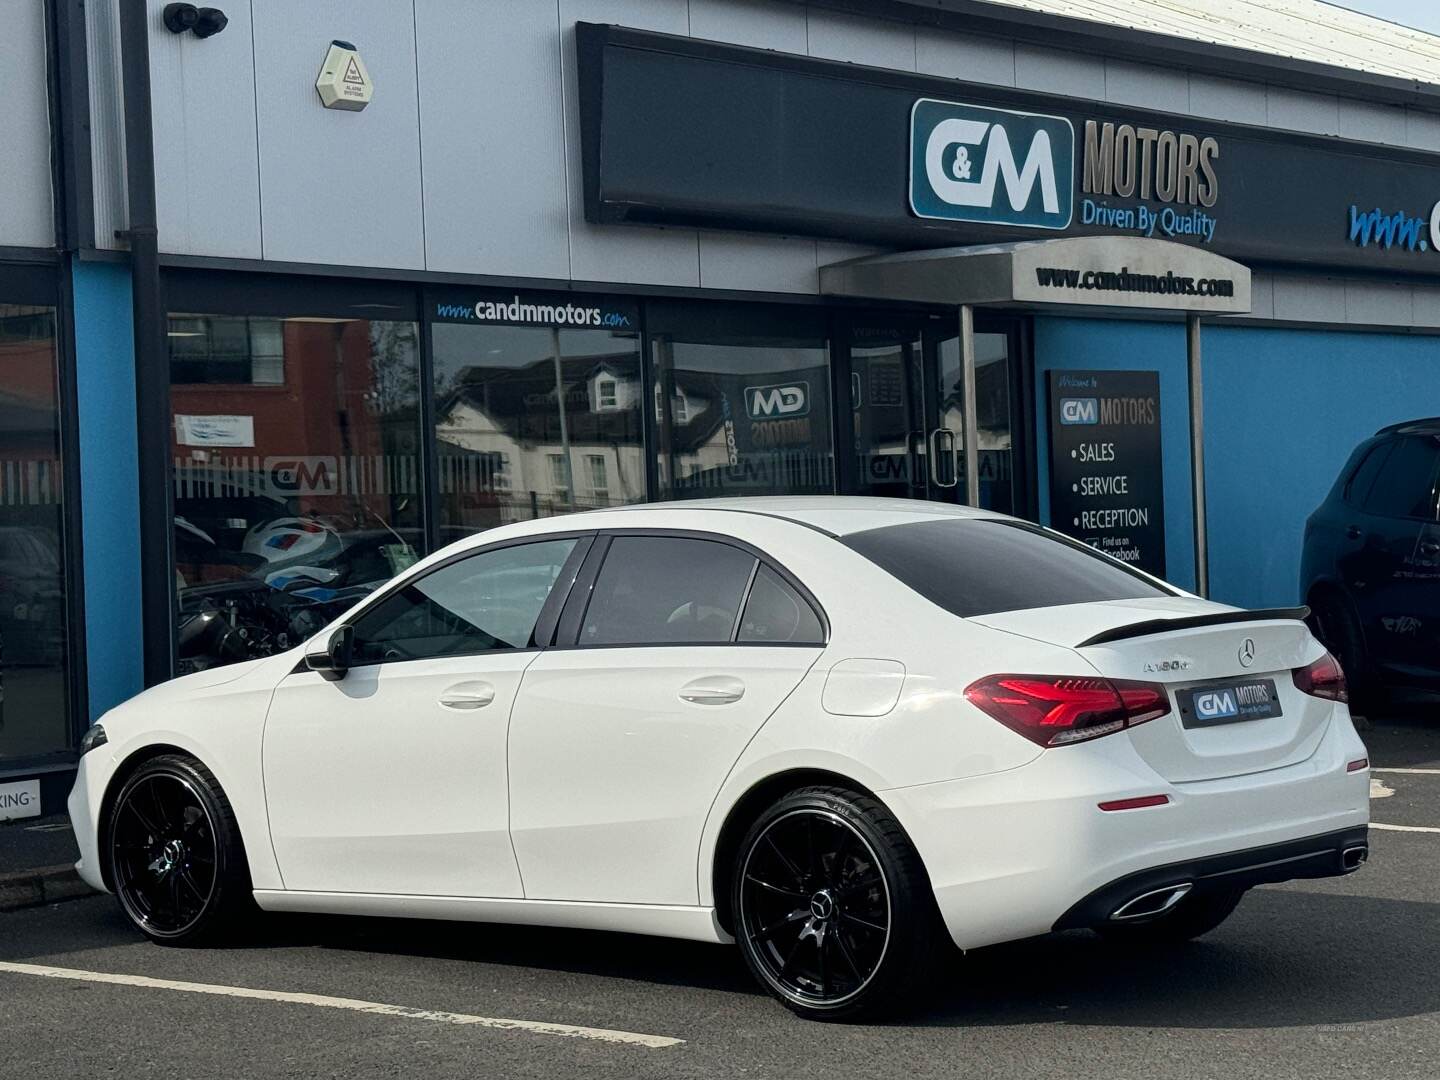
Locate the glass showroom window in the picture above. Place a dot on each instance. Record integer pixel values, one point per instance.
(296, 470)
(533, 420)
(33, 697)
(742, 400)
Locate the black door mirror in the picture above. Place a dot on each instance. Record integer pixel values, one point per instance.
(333, 658)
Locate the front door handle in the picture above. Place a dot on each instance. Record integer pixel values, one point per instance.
(1430, 547)
(467, 695)
(713, 690)
(1352, 532)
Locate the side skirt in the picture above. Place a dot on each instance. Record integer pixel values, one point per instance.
(660, 920)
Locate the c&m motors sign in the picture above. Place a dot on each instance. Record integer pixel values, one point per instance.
(971, 163)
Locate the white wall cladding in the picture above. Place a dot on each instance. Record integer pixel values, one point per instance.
(207, 191)
(467, 161)
(27, 215)
(493, 164)
(335, 186)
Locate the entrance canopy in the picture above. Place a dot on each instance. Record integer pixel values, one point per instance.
(1104, 272)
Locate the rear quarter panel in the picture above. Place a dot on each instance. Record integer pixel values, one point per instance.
(931, 734)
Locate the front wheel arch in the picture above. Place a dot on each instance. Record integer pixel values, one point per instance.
(122, 773)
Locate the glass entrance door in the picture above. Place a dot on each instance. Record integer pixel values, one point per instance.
(888, 411)
(907, 414)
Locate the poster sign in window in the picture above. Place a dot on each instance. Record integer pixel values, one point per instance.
(1106, 481)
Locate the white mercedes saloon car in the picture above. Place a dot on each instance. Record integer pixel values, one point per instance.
(833, 730)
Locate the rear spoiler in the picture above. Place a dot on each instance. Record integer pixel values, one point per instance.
(1220, 618)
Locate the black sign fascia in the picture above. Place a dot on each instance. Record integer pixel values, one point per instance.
(683, 132)
(1106, 477)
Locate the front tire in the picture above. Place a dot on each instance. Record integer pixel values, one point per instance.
(176, 862)
(1197, 914)
(833, 910)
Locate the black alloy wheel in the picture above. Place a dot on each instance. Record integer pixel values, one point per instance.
(176, 864)
(832, 908)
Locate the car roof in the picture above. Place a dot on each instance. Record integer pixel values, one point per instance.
(838, 515)
(1426, 426)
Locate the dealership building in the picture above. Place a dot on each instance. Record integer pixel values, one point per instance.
(293, 294)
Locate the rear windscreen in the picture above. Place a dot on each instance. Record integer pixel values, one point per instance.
(982, 566)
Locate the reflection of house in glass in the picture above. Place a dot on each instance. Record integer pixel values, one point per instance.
(523, 442)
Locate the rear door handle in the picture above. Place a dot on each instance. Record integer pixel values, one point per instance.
(1430, 547)
(1352, 532)
(713, 690)
(467, 695)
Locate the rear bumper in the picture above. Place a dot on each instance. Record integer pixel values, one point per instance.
(1013, 854)
(1329, 855)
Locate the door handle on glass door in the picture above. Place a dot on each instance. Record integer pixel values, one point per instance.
(713, 690)
(467, 695)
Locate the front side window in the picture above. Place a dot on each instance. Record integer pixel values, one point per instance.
(487, 602)
(1405, 487)
(666, 590)
(296, 463)
(981, 567)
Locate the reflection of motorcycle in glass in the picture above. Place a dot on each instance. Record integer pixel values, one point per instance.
(243, 620)
(292, 577)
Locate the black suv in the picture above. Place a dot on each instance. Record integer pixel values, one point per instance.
(1371, 567)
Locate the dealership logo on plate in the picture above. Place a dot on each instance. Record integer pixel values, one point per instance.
(1215, 704)
(971, 163)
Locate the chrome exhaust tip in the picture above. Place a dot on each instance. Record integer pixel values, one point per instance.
(1352, 858)
(1150, 904)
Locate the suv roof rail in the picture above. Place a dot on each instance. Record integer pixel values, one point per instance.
(1426, 426)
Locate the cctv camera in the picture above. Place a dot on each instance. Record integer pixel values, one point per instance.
(180, 17)
(210, 22)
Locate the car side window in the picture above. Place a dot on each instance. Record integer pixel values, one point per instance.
(486, 602)
(666, 590)
(775, 612)
(1405, 487)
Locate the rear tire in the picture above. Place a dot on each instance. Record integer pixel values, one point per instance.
(1333, 622)
(834, 912)
(1197, 914)
(175, 858)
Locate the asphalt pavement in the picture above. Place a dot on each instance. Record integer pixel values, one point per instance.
(1330, 978)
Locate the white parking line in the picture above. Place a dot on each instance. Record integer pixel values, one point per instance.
(1410, 772)
(630, 1038)
(1404, 828)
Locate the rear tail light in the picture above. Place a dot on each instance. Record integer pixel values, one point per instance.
(1055, 710)
(1322, 679)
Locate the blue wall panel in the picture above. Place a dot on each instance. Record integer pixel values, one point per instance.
(1113, 345)
(1283, 411)
(109, 481)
